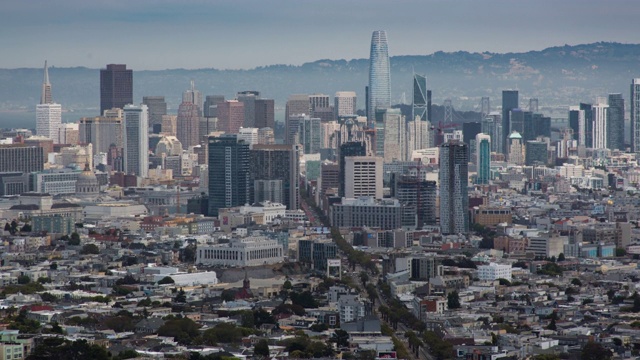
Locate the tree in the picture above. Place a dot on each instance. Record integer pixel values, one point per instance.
(552, 325)
(341, 338)
(24, 279)
(453, 300)
(576, 282)
(182, 330)
(53, 266)
(59, 348)
(595, 351)
(90, 249)
(287, 285)
(181, 297)
(621, 252)
(561, 257)
(126, 354)
(74, 239)
(166, 280)
(261, 350)
(261, 316)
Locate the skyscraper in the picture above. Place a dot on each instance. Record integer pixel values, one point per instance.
(419, 105)
(483, 158)
(188, 124)
(395, 136)
(157, 107)
(101, 131)
(211, 105)
(48, 113)
(588, 124)
(509, 102)
(297, 104)
(281, 163)
(379, 74)
(345, 103)
(230, 181)
(600, 126)
(264, 114)
(363, 176)
(230, 116)
(615, 122)
(136, 140)
(116, 87)
(453, 179)
(635, 115)
(577, 124)
(353, 148)
(193, 96)
(248, 98)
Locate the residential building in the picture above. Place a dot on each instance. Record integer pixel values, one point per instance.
(494, 271)
(453, 181)
(278, 162)
(230, 182)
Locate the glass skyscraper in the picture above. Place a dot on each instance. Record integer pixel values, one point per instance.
(635, 115)
(379, 74)
(615, 122)
(454, 197)
(419, 107)
(509, 102)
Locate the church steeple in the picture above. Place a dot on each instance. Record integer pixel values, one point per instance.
(45, 97)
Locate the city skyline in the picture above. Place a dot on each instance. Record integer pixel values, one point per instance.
(157, 29)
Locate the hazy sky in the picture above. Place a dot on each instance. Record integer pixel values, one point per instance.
(159, 34)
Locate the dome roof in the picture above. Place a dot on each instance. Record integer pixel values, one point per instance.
(515, 135)
(87, 181)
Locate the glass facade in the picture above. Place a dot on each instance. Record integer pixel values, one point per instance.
(379, 73)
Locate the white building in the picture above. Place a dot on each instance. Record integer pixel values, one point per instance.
(136, 140)
(249, 135)
(48, 120)
(248, 251)
(345, 103)
(363, 176)
(270, 210)
(494, 271)
(350, 308)
(600, 125)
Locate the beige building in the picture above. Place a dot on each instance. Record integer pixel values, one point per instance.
(363, 176)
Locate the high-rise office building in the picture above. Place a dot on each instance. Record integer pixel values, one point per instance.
(536, 153)
(230, 116)
(309, 133)
(453, 179)
(419, 104)
(188, 124)
(418, 194)
(600, 126)
(230, 182)
(136, 140)
(635, 115)
(345, 103)
(509, 102)
(418, 136)
(157, 108)
(363, 176)
(354, 148)
(483, 158)
(297, 104)
(379, 73)
(588, 124)
(515, 149)
(45, 96)
(116, 87)
(319, 104)
(279, 162)
(394, 138)
(248, 99)
(170, 125)
(193, 96)
(492, 126)
(264, 113)
(21, 158)
(48, 113)
(615, 122)
(101, 131)
(516, 120)
(210, 107)
(577, 124)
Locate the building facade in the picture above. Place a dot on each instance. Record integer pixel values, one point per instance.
(116, 87)
(453, 180)
(379, 74)
(136, 140)
(230, 182)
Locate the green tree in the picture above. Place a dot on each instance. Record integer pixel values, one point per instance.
(576, 282)
(341, 338)
(261, 316)
(261, 350)
(595, 351)
(24, 279)
(181, 297)
(304, 299)
(90, 249)
(287, 285)
(552, 325)
(59, 348)
(74, 239)
(453, 300)
(247, 319)
(561, 257)
(621, 252)
(126, 354)
(26, 228)
(183, 330)
(166, 280)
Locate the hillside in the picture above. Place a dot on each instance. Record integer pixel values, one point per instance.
(558, 76)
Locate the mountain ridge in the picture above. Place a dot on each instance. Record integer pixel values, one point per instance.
(558, 76)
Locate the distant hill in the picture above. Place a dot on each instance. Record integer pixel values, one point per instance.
(557, 76)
